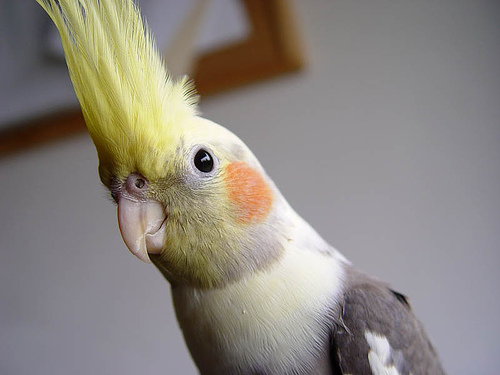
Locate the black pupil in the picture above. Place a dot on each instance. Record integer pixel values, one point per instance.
(203, 161)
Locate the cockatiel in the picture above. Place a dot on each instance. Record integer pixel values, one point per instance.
(256, 290)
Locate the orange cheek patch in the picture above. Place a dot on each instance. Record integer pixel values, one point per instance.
(249, 192)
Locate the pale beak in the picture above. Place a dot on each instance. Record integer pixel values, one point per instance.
(142, 225)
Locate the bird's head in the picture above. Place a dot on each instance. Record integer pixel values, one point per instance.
(191, 196)
(197, 206)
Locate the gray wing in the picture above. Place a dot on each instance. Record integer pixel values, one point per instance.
(377, 320)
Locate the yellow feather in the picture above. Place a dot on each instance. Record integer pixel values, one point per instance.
(131, 106)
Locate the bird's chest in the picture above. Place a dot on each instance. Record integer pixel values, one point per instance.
(261, 326)
(230, 334)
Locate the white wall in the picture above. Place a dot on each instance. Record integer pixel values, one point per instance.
(388, 143)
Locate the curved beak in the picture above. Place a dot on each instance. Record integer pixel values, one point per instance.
(142, 226)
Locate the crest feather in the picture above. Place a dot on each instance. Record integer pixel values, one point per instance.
(124, 89)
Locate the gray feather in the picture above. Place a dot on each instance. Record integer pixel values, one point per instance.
(368, 305)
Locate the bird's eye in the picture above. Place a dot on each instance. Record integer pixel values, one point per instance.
(204, 161)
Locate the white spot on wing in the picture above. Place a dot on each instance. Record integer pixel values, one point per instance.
(380, 354)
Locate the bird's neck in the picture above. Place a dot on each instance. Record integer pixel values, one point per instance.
(298, 290)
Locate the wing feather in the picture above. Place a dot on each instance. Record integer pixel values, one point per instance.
(378, 333)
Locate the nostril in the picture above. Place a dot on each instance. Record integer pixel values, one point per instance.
(139, 183)
(136, 184)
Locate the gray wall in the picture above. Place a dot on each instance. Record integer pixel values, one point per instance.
(388, 143)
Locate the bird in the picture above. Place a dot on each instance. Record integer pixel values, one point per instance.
(256, 290)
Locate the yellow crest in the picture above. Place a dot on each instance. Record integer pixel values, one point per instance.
(131, 106)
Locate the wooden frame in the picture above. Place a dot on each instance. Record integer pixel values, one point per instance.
(271, 49)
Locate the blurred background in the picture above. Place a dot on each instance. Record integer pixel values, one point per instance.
(378, 119)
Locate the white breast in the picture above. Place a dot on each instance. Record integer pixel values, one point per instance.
(273, 322)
